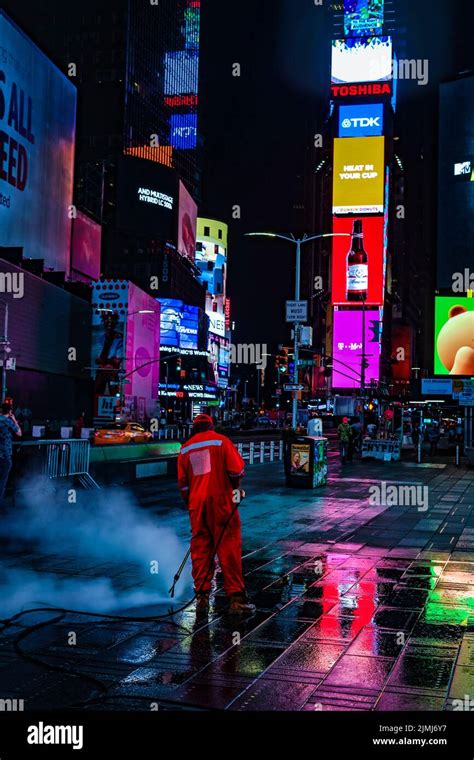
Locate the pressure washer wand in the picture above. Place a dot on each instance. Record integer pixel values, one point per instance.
(178, 574)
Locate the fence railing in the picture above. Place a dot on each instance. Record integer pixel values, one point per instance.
(260, 451)
(57, 458)
(174, 433)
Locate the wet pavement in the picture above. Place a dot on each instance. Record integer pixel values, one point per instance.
(360, 606)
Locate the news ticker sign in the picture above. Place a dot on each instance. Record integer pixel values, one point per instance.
(361, 120)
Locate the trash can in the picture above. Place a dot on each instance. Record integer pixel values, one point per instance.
(306, 461)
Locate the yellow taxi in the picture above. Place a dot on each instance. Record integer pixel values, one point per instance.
(122, 432)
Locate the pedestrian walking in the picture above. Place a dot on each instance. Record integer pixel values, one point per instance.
(433, 438)
(356, 440)
(8, 428)
(209, 473)
(344, 434)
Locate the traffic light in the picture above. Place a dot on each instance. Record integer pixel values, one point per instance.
(281, 363)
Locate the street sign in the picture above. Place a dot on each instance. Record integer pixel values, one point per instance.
(296, 311)
(306, 363)
(441, 386)
(293, 387)
(107, 407)
(9, 363)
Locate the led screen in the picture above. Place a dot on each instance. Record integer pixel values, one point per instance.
(361, 120)
(147, 197)
(182, 72)
(142, 348)
(402, 338)
(363, 17)
(455, 181)
(358, 59)
(373, 231)
(37, 133)
(454, 336)
(85, 252)
(358, 177)
(186, 223)
(179, 324)
(348, 347)
(183, 131)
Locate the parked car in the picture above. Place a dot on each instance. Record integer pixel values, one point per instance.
(122, 432)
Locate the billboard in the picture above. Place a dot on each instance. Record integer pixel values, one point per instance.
(363, 17)
(183, 130)
(402, 339)
(361, 120)
(348, 346)
(361, 59)
(142, 351)
(358, 176)
(216, 321)
(455, 180)
(85, 249)
(454, 336)
(219, 353)
(187, 220)
(125, 348)
(109, 317)
(365, 90)
(37, 134)
(373, 231)
(179, 324)
(147, 197)
(182, 72)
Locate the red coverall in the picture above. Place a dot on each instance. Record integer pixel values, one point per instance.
(209, 468)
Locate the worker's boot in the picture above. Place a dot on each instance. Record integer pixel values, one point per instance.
(202, 601)
(240, 604)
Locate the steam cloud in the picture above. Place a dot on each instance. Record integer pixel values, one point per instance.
(102, 527)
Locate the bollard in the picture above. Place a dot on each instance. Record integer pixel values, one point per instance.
(280, 450)
(240, 449)
(251, 452)
(272, 450)
(262, 451)
(419, 453)
(458, 456)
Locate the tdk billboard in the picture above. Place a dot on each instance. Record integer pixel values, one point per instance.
(361, 120)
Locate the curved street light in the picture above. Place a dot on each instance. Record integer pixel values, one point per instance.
(298, 242)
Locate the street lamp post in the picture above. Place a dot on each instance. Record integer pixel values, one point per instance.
(5, 351)
(298, 242)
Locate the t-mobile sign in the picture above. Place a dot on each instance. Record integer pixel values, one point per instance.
(349, 345)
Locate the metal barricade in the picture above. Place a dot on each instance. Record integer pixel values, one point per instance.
(58, 458)
(260, 451)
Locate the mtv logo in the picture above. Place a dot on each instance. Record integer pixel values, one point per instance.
(462, 168)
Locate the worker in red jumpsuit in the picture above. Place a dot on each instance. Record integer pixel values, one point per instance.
(209, 473)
